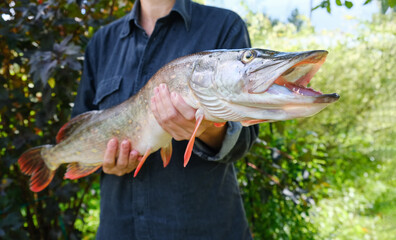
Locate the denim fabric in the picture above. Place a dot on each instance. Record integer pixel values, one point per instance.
(201, 201)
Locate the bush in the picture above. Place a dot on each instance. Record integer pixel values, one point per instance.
(41, 44)
(347, 151)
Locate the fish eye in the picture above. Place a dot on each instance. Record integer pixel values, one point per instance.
(248, 56)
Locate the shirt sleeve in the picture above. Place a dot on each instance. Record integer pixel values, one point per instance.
(238, 139)
(236, 144)
(86, 89)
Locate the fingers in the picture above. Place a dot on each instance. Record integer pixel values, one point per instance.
(182, 107)
(124, 163)
(173, 114)
(133, 160)
(162, 98)
(123, 157)
(167, 116)
(110, 154)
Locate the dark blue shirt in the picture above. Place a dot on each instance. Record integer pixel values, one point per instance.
(201, 201)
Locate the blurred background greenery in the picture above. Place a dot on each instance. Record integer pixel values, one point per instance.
(330, 176)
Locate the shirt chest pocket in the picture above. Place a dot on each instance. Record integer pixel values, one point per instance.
(108, 92)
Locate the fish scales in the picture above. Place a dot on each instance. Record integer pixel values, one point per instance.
(134, 122)
(244, 85)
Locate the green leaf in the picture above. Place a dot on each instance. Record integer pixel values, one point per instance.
(348, 4)
(392, 3)
(338, 2)
(314, 8)
(323, 4)
(367, 2)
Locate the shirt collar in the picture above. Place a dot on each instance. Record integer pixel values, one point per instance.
(182, 7)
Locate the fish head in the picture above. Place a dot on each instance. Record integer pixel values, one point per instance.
(257, 85)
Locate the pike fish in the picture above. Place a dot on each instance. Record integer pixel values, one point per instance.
(244, 85)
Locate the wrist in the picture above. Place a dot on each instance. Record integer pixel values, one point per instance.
(213, 136)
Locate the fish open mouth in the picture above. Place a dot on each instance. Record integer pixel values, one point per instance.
(297, 77)
(297, 88)
(275, 87)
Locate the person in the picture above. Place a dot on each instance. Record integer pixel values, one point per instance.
(202, 200)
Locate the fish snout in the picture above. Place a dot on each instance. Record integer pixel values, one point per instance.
(327, 98)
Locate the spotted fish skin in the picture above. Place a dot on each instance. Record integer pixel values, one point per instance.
(244, 85)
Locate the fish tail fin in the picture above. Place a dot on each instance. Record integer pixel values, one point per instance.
(32, 163)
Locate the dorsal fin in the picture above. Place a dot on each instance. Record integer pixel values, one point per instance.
(68, 128)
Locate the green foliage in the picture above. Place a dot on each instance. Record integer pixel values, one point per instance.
(327, 4)
(277, 179)
(362, 71)
(385, 4)
(347, 151)
(41, 44)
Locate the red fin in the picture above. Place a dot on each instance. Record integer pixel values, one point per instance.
(68, 128)
(141, 162)
(41, 179)
(219, 124)
(166, 154)
(32, 163)
(78, 170)
(190, 145)
(252, 122)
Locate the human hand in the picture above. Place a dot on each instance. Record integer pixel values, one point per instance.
(126, 161)
(176, 117)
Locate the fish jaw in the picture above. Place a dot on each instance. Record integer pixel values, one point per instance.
(277, 67)
(270, 86)
(287, 97)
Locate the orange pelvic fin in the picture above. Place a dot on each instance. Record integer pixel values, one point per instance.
(32, 163)
(252, 122)
(219, 124)
(166, 154)
(190, 145)
(79, 170)
(145, 156)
